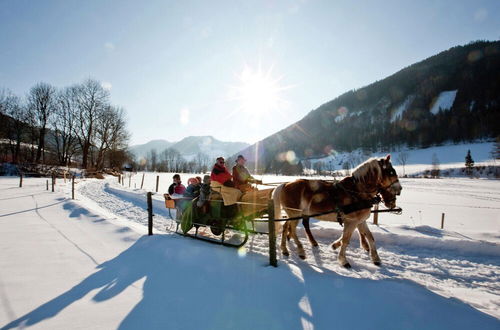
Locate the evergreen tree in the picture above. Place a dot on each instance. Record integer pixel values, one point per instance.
(469, 163)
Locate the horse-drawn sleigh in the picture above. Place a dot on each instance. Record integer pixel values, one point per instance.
(348, 201)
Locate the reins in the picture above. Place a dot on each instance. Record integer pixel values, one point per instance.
(396, 210)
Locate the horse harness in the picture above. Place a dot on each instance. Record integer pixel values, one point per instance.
(361, 204)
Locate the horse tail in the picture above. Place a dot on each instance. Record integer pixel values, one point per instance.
(277, 206)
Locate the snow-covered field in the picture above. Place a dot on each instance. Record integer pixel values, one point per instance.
(88, 264)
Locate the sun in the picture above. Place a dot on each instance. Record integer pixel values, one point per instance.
(258, 93)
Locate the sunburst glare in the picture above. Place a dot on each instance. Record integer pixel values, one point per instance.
(258, 93)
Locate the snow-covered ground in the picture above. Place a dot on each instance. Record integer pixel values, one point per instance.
(449, 157)
(88, 264)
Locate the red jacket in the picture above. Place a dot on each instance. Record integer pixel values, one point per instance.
(176, 189)
(220, 174)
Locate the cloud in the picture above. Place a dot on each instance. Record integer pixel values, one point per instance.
(109, 46)
(106, 85)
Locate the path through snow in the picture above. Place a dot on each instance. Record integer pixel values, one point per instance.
(446, 262)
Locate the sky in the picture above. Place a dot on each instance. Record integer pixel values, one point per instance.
(235, 70)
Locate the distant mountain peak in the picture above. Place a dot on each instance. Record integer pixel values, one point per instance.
(190, 146)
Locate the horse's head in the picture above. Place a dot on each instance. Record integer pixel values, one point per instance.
(389, 185)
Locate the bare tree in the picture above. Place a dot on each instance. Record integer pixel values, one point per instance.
(92, 100)
(41, 103)
(118, 140)
(16, 126)
(171, 158)
(152, 158)
(110, 134)
(63, 124)
(403, 159)
(201, 161)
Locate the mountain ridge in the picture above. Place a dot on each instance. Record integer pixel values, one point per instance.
(190, 146)
(451, 96)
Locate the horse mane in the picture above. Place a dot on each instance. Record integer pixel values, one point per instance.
(367, 169)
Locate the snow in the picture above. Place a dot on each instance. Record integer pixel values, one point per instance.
(400, 110)
(444, 101)
(87, 263)
(450, 156)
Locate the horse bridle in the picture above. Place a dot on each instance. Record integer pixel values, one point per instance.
(389, 187)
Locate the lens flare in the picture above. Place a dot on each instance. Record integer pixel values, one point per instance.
(258, 93)
(242, 252)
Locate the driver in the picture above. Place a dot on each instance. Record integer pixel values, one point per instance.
(241, 176)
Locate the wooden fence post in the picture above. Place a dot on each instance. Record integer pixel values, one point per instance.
(142, 181)
(53, 181)
(129, 179)
(150, 214)
(73, 187)
(272, 234)
(375, 215)
(119, 178)
(157, 182)
(20, 179)
(47, 185)
(442, 220)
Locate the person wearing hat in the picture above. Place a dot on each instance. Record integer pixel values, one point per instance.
(241, 176)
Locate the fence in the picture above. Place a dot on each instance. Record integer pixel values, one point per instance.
(121, 179)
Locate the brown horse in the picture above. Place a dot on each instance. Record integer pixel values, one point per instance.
(348, 201)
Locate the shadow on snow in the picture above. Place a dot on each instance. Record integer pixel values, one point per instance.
(191, 285)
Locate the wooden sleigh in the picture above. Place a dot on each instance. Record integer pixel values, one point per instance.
(214, 222)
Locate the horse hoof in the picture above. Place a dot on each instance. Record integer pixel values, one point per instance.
(377, 263)
(315, 244)
(302, 257)
(347, 266)
(285, 253)
(334, 246)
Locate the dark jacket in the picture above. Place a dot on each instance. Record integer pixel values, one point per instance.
(241, 176)
(193, 190)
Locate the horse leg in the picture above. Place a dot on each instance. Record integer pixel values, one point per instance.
(362, 241)
(346, 237)
(276, 196)
(284, 250)
(365, 231)
(293, 233)
(305, 223)
(337, 243)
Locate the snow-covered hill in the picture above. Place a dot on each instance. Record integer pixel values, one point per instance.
(450, 160)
